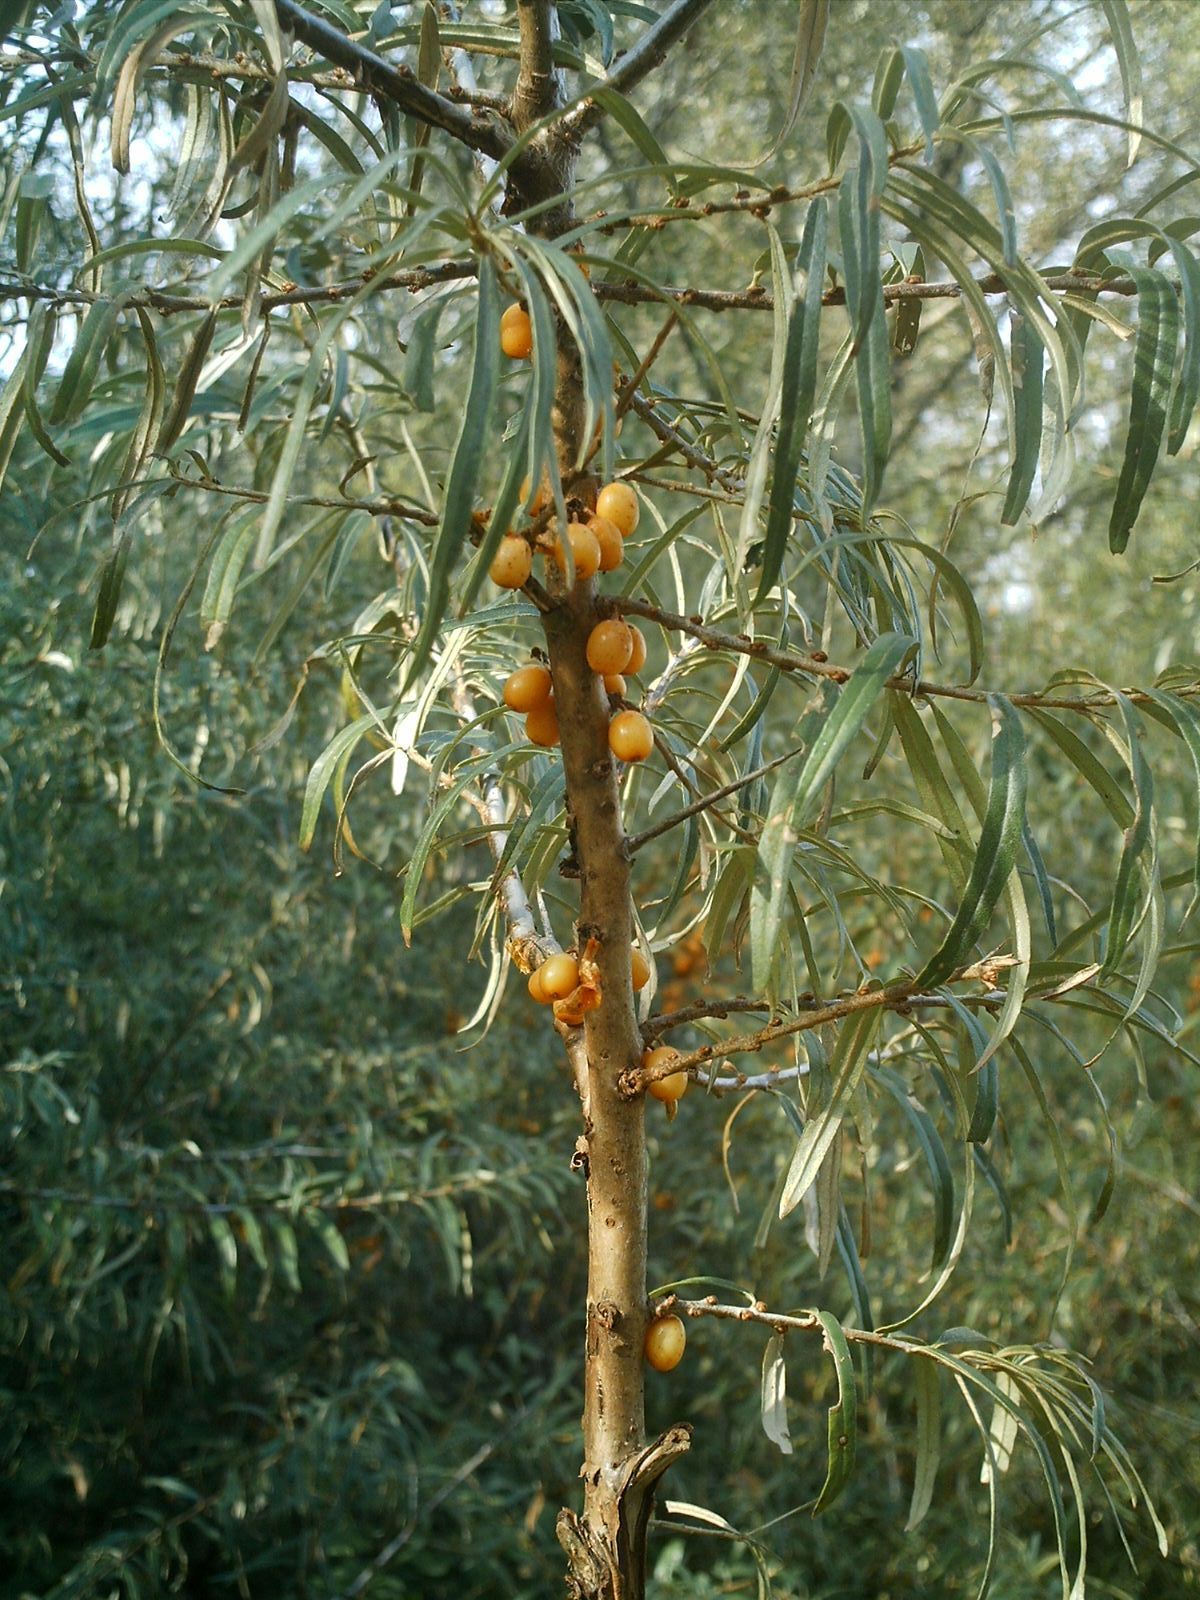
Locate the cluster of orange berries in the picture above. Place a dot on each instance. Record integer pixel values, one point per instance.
(571, 984)
(614, 649)
(597, 545)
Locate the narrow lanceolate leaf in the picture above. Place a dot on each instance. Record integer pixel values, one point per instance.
(224, 576)
(924, 98)
(1187, 390)
(847, 1065)
(843, 1417)
(936, 1161)
(112, 576)
(1004, 1428)
(929, 1441)
(338, 749)
(1185, 720)
(827, 731)
(627, 117)
(812, 19)
(141, 440)
(468, 456)
(760, 454)
(999, 840)
(1137, 848)
(907, 325)
(79, 374)
(858, 215)
(774, 1395)
(1020, 935)
(1153, 370)
(798, 392)
(1131, 69)
(1042, 879)
(1028, 371)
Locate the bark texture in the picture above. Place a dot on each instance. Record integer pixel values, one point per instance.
(606, 1544)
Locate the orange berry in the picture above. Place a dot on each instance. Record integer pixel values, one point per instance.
(671, 1088)
(630, 737)
(664, 1343)
(609, 646)
(541, 499)
(641, 969)
(638, 659)
(585, 547)
(612, 546)
(541, 725)
(512, 563)
(516, 333)
(527, 688)
(560, 976)
(618, 502)
(535, 987)
(614, 683)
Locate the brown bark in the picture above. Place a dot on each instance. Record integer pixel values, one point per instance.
(606, 1545)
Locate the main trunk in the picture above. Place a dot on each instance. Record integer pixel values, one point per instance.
(606, 1545)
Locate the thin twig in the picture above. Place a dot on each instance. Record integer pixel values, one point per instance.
(629, 389)
(670, 435)
(755, 299)
(705, 802)
(792, 661)
(622, 293)
(294, 295)
(902, 997)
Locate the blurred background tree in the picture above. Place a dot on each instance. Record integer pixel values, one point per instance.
(292, 1278)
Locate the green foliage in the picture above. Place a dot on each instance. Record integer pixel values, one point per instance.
(254, 405)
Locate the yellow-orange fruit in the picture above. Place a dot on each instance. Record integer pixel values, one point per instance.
(535, 988)
(527, 688)
(674, 1086)
(664, 1343)
(638, 659)
(612, 546)
(512, 563)
(516, 333)
(540, 500)
(641, 969)
(584, 547)
(618, 502)
(614, 683)
(609, 646)
(630, 737)
(559, 975)
(541, 725)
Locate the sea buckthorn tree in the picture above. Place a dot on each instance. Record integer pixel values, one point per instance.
(648, 642)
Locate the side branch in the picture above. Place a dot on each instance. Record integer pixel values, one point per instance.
(815, 667)
(538, 88)
(621, 293)
(705, 802)
(480, 129)
(901, 997)
(802, 1322)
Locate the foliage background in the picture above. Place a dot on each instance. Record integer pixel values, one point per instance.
(290, 1277)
